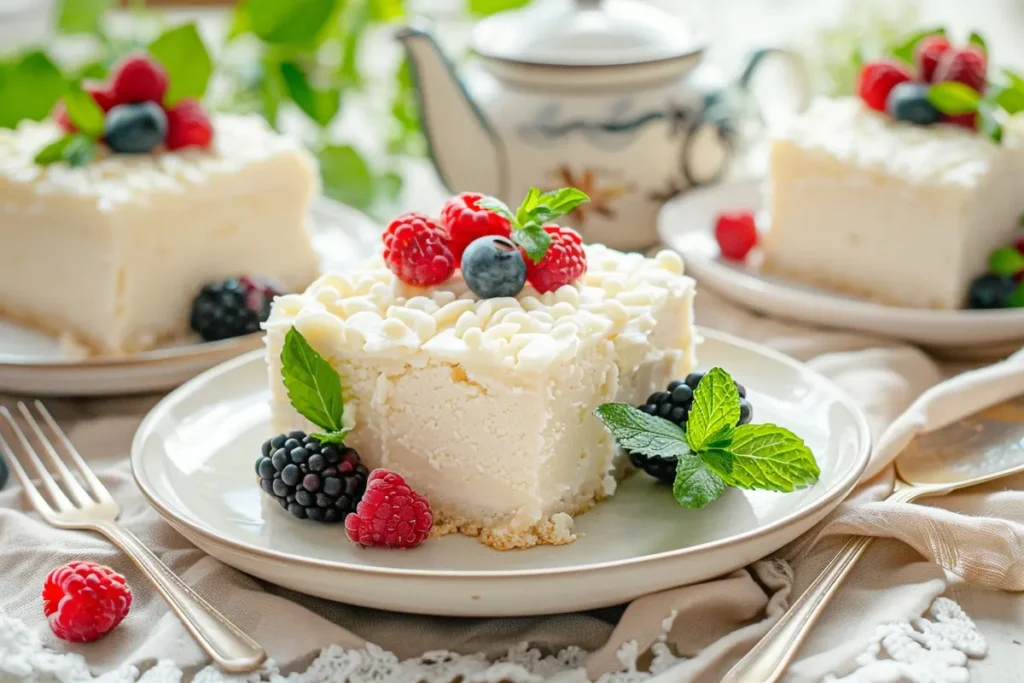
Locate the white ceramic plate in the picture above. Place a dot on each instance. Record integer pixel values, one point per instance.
(687, 225)
(193, 458)
(34, 363)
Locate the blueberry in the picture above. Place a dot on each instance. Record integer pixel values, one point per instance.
(493, 266)
(991, 291)
(909, 102)
(135, 128)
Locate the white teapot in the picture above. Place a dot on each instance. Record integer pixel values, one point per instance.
(603, 95)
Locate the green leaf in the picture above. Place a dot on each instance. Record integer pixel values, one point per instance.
(696, 484)
(83, 111)
(978, 41)
(314, 387)
(989, 123)
(29, 88)
(1016, 299)
(387, 10)
(637, 431)
(1005, 261)
(337, 437)
(346, 176)
(904, 51)
(320, 105)
(1011, 100)
(485, 7)
(295, 22)
(529, 203)
(183, 54)
(82, 16)
(715, 412)
(533, 240)
(766, 457)
(1016, 82)
(497, 206)
(75, 149)
(95, 71)
(954, 98)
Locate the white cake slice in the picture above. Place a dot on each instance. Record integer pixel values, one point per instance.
(111, 254)
(893, 212)
(485, 406)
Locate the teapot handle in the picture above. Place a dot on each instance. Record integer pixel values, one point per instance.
(794, 63)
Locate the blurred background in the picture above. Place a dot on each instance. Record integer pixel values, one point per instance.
(349, 95)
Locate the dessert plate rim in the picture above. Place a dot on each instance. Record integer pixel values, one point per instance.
(680, 227)
(832, 496)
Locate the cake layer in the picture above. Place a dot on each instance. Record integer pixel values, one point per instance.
(893, 212)
(485, 406)
(113, 253)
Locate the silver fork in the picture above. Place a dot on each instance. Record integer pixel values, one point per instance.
(95, 510)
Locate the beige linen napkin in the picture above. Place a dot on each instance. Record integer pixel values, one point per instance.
(711, 624)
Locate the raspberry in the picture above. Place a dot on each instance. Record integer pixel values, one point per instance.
(967, 66)
(927, 54)
(416, 250)
(100, 93)
(188, 126)
(139, 78)
(564, 262)
(968, 120)
(390, 514)
(84, 601)
(877, 79)
(465, 222)
(736, 234)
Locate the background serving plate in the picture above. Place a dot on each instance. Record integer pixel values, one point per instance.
(193, 458)
(687, 225)
(34, 363)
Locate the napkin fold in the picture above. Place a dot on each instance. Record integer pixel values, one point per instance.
(692, 633)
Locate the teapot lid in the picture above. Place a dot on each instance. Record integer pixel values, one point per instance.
(584, 33)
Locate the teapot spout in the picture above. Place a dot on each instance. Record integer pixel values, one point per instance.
(466, 152)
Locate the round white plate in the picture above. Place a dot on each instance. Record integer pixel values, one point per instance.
(686, 224)
(34, 363)
(193, 458)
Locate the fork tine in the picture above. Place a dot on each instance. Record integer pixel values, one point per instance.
(34, 497)
(70, 483)
(56, 495)
(99, 491)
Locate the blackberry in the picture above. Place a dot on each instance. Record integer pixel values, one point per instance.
(232, 308)
(674, 404)
(311, 480)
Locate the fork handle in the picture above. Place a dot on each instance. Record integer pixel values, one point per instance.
(229, 648)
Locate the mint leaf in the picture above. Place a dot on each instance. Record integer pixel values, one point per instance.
(346, 176)
(387, 10)
(314, 387)
(905, 50)
(29, 88)
(295, 22)
(978, 41)
(695, 485)
(530, 203)
(533, 240)
(319, 105)
(715, 412)
(637, 431)
(83, 111)
(76, 149)
(988, 122)
(1005, 261)
(183, 54)
(485, 7)
(1016, 299)
(1011, 100)
(497, 206)
(82, 16)
(1016, 81)
(337, 437)
(954, 98)
(767, 457)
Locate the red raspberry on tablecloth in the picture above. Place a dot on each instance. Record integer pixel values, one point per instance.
(465, 221)
(390, 514)
(563, 263)
(84, 601)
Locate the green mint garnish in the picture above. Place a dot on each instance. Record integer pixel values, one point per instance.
(76, 149)
(321, 105)
(537, 209)
(29, 87)
(183, 54)
(978, 42)
(314, 387)
(953, 98)
(712, 452)
(83, 111)
(1005, 261)
(1016, 299)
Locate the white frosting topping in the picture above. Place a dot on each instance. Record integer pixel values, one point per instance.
(368, 311)
(847, 129)
(122, 178)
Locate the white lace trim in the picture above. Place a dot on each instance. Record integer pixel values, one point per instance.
(921, 650)
(924, 650)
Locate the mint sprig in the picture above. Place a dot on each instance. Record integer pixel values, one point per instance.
(1005, 261)
(314, 387)
(713, 452)
(83, 111)
(535, 210)
(76, 149)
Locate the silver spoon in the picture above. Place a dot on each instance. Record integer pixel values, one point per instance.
(986, 446)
